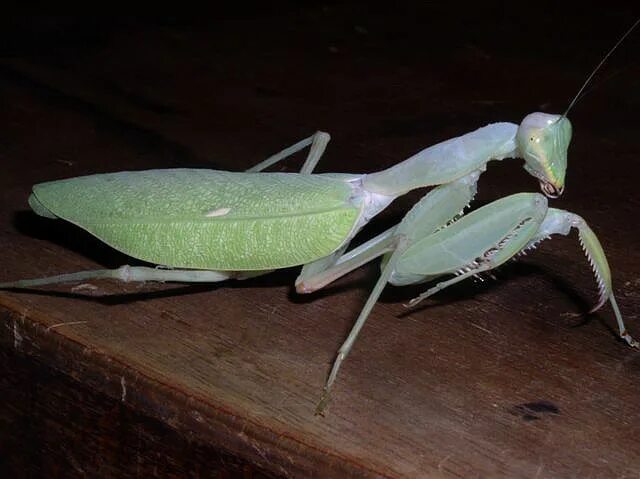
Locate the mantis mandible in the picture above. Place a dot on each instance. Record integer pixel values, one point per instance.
(214, 225)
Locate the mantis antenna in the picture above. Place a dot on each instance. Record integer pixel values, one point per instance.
(604, 59)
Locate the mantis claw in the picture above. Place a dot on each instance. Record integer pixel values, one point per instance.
(630, 341)
(323, 403)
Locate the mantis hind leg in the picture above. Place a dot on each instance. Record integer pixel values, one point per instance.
(362, 318)
(317, 142)
(318, 274)
(129, 274)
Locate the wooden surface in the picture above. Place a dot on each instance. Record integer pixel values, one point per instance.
(508, 378)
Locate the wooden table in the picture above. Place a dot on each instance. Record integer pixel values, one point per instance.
(506, 378)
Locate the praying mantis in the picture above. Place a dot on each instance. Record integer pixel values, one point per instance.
(207, 226)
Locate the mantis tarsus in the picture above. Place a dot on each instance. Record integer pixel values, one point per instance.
(213, 225)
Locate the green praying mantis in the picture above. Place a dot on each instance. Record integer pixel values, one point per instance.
(208, 226)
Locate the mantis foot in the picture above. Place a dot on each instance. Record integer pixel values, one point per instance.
(630, 341)
(322, 404)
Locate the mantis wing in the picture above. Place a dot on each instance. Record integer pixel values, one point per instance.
(206, 219)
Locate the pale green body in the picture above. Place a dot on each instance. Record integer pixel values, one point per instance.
(246, 221)
(235, 222)
(206, 219)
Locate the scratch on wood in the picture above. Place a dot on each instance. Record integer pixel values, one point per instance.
(481, 328)
(261, 452)
(123, 385)
(84, 287)
(17, 337)
(445, 459)
(283, 471)
(57, 325)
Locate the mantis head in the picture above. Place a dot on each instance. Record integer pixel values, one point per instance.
(543, 141)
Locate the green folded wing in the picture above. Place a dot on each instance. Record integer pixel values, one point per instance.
(207, 219)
